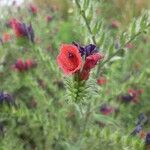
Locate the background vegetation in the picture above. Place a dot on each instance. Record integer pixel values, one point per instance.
(39, 112)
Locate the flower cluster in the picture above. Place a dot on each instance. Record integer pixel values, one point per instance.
(131, 96)
(74, 58)
(22, 30)
(22, 66)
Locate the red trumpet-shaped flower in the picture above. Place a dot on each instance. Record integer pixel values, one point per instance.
(90, 62)
(69, 59)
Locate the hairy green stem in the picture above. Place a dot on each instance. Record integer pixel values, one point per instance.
(82, 12)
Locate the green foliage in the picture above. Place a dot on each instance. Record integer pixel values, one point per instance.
(53, 112)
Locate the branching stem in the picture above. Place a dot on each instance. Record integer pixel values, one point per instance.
(82, 12)
(118, 51)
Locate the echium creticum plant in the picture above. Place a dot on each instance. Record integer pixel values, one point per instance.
(83, 63)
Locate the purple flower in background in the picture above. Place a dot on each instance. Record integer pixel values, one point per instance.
(5, 97)
(106, 109)
(142, 119)
(147, 141)
(30, 33)
(86, 50)
(22, 30)
(126, 98)
(137, 130)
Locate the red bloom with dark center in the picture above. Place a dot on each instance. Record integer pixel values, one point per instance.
(69, 59)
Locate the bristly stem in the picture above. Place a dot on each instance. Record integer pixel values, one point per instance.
(82, 12)
(118, 51)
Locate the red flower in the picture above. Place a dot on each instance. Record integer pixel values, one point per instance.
(6, 37)
(33, 9)
(19, 65)
(18, 28)
(115, 24)
(90, 62)
(101, 81)
(106, 110)
(48, 18)
(135, 94)
(22, 66)
(69, 59)
(22, 30)
(29, 64)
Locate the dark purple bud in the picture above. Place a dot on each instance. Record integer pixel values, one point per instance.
(30, 33)
(27, 31)
(22, 30)
(106, 110)
(90, 49)
(80, 48)
(147, 141)
(126, 98)
(87, 50)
